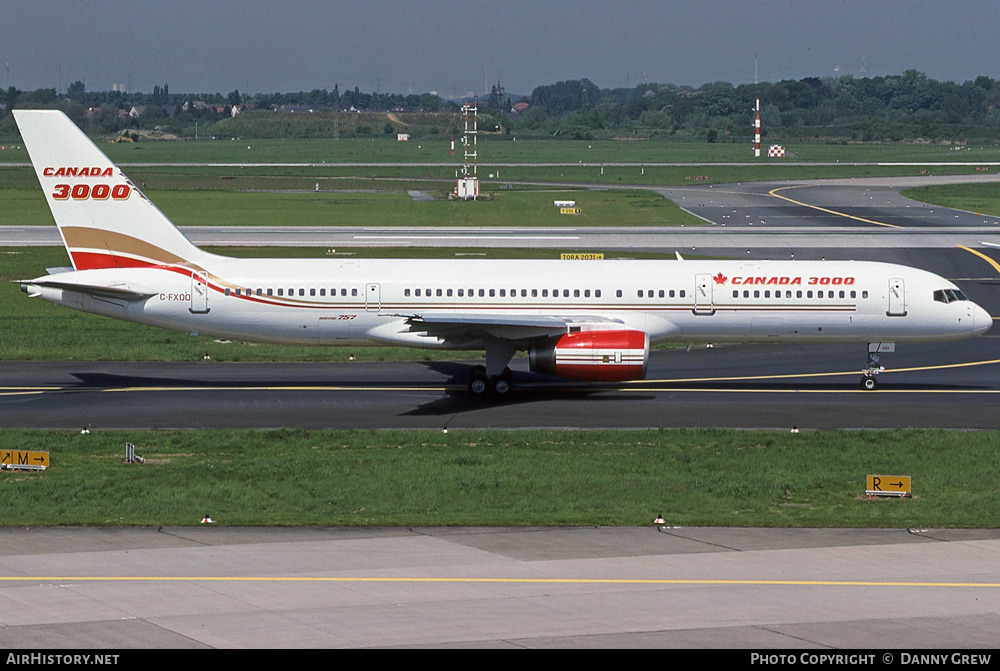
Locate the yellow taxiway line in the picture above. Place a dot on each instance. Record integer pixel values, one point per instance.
(996, 266)
(524, 581)
(774, 192)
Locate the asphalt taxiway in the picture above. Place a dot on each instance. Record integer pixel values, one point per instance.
(593, 587)
(748, 386)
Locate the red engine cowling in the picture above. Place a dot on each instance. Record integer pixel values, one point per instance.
(596, 356)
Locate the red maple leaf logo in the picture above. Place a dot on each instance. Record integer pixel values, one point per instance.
(720, 279)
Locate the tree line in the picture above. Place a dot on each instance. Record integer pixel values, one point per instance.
(896, 107)
(909, 106)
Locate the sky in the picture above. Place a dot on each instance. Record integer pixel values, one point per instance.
(454, 47)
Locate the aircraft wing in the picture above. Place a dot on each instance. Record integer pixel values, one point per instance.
(451, 325)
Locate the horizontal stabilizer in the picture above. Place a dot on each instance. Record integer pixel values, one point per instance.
(119, 292)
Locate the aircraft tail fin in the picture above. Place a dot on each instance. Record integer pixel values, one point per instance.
(104, 220)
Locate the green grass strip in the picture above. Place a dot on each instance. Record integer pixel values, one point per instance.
(487, 477)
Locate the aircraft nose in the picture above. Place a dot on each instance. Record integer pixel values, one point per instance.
(982, 321)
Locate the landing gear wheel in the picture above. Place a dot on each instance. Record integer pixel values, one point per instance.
(501, 383)
(478, 382)
(869, 383)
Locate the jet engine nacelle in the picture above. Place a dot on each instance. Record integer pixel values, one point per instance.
(596, 356)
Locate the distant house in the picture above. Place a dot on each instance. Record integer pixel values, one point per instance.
(296, 109)
(402, 137)
(520, 107)
(136, 111)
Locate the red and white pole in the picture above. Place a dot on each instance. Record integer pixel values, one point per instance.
(756, 130)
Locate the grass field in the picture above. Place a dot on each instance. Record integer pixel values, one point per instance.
(980, 198)
(511, 149)
(423, 478)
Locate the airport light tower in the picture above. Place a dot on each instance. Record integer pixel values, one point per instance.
(467, 187)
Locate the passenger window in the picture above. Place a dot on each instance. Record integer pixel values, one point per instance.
(597, 293)
(437, 293)
(619, 293)
(354, 292)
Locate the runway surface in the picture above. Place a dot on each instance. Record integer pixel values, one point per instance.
(750, 589)
(751, 386)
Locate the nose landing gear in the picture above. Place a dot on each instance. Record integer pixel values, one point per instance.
(875, 349)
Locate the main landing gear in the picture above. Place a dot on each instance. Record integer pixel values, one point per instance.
(480, 383)
(495, 376)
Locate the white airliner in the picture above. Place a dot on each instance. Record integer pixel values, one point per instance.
(584, 320)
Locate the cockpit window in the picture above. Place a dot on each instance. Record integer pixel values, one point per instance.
(949, 296)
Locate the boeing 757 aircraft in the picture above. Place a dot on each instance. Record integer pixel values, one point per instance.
(579, 320)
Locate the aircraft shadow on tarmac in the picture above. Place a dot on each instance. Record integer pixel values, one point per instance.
(527, 387)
